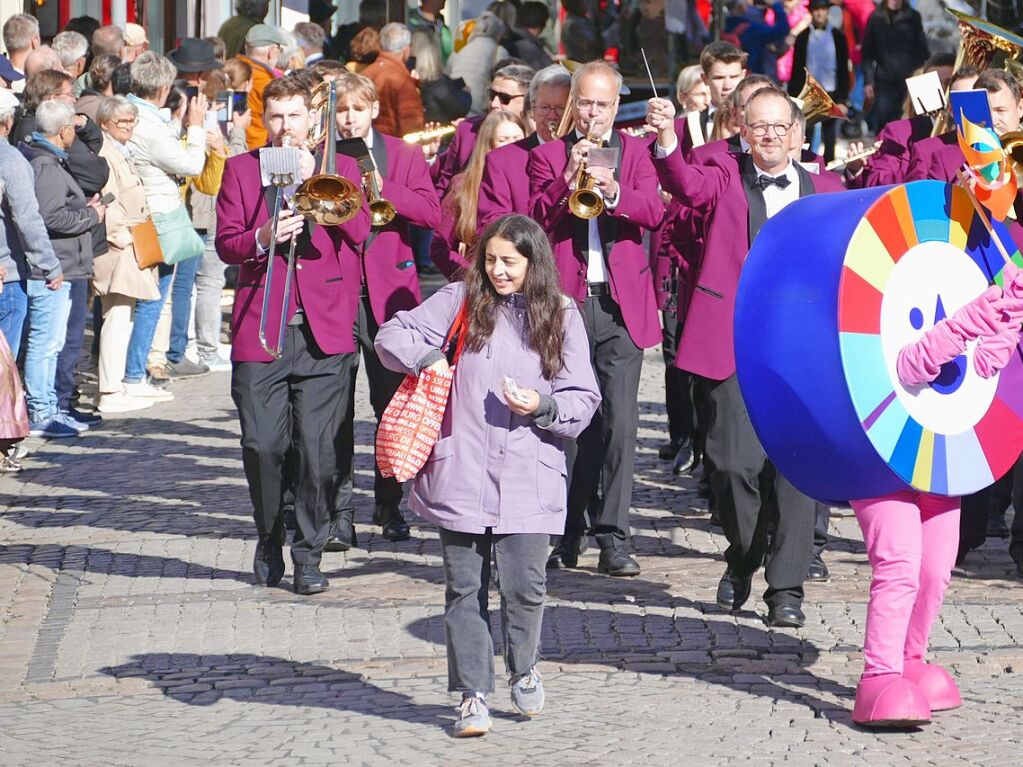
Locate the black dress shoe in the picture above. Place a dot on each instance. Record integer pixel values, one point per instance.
(818, 572)
(309, 580)
(566, 552)
(669, 450)
(733, 592)
(268, 562)
(392, 524)
(617, 563)
(685, 459)
(342, 531)
(996, 527)
(786, 616)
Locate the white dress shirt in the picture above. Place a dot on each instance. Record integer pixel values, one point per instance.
(596, 269)
(776, 198)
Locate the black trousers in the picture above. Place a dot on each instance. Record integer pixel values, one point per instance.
(383, 383)
(606, 450)
(993, 500)
(295, 403)
(678, 384)
(745, 485)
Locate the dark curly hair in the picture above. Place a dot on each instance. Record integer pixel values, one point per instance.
(541, 289)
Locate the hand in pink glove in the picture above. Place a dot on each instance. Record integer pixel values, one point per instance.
(994, 352)
(980, 317)
(1011, 302)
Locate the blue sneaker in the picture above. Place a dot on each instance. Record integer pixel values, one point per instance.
(527, 693)
(89, 419)
(65, 419)
(473, 717)
(52, 429)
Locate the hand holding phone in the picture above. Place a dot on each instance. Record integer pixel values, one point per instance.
(108, 198)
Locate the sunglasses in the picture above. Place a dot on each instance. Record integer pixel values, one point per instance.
(504, 98)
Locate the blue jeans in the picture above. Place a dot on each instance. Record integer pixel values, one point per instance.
(147, 315)
(181, 307)
(47, 325)
(67, 361)
(13, 308)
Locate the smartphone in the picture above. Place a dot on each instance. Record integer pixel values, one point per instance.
(230, 103)
(107, 198)
(191, 91)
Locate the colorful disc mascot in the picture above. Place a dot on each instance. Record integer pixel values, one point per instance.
(878, 358)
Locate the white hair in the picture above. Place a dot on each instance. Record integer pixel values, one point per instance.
(70, 46)
(52, 116)
(19, 30)
(150, 72)
(394, 37)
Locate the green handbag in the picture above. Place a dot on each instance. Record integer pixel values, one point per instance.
(178, 239)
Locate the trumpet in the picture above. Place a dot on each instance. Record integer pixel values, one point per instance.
(381, 211)
(429, 136)
(840, 162)
(585, 202)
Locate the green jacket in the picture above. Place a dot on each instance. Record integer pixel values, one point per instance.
(447, 42)
(233, 32)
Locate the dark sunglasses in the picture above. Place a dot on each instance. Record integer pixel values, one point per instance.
(505, 98)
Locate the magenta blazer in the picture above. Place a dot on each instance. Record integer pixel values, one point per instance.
(328, 276)
(504, 187)
(890, 164)
(389, 264)
(715, 191)
(923, 161)
(444, 248)
(456, 157)
(639, 208)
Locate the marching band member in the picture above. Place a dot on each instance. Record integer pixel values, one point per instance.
(504, 187)
(737, 194)
(508, 87)
(735, 143)
(604, 266)
(297, 402)
(453, 241)
(724, 66)
(390, 285)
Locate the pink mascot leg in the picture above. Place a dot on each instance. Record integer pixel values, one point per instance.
(940, 541)
(893, 533)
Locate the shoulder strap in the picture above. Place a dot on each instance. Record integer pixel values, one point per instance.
(454, 341)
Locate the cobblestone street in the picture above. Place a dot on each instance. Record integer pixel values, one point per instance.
(131, 632)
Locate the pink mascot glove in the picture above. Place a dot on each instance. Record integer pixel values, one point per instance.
(993, 352)
(1011, 303)
(920, 362)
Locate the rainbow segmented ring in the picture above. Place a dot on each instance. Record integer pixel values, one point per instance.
(821, 318)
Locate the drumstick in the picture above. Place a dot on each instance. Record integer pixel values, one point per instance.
(646, 63)
(983, 216)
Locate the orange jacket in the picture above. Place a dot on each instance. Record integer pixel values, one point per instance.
(401, 108)
(255, 134)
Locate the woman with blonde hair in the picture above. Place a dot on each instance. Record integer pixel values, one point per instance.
(457, 232)
(691, 92)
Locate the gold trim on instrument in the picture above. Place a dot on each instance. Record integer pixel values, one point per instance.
(429, 136)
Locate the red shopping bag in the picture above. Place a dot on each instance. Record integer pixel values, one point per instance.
(410, 425)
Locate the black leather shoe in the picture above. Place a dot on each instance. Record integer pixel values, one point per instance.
(786, 617)
(669, 450)
(733, 592)
(342, 531)
(309, 580)
(617, 563)
(268, 562)
(566, 552)
(392, 524)
(685, 459)
(996, 527)
(818, 572)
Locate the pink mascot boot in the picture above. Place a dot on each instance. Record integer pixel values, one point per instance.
(935, 683)
(889, 700)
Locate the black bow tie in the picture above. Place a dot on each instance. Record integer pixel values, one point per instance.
(763, 182)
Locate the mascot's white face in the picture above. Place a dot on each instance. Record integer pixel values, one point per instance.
(928, 283)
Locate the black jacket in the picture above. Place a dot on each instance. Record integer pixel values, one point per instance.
(522, 45)
(894, 45)
(841, 92)
(444, 99)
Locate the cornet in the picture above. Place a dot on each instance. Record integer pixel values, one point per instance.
(586, 202)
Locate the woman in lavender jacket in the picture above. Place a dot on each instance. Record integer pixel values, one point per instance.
(497, 474)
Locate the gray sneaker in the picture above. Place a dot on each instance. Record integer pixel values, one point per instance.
(473, 717)
(527, 693)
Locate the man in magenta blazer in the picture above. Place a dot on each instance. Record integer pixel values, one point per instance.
(508, 88)
(724, 67)
(295, 403)
(390, 285)
(604, 267)
(504, 187)
(736, 195)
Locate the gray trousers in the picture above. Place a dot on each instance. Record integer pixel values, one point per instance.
(745, 486)
(606, 450)
(521, 560)
(209, 286)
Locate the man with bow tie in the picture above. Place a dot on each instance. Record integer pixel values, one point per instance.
(734, 194)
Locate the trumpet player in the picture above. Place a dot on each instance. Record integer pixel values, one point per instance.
(604, 267)
(504, 187)
(402, 194)
(297, 402)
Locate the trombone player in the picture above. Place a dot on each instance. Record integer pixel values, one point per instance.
(401, 193)
(297, 401)
(604, 267)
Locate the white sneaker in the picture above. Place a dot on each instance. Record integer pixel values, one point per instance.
(145, 390)
(216, 363)
(122, 402)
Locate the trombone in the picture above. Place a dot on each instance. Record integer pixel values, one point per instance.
(381, 211)
(325, 198)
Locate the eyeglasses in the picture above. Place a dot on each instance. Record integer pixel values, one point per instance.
(130, 123)
(594, 105)
(504, 98)
(549, 108)
(760, 129)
